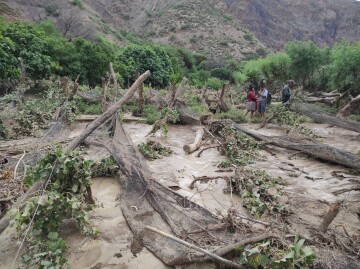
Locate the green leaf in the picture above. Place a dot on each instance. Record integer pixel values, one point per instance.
(53, 236)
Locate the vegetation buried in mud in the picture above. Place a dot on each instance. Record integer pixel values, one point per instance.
(153, 150)
(107, 167)
(67, 180)
(239, 148)
(260, 192)
(273, 254)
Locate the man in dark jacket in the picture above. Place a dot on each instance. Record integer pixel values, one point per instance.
(286, 92)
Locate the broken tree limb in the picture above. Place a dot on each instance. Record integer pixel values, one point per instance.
(190, 148)
(345, 111)
(201, 151)
(231, 247)
(317, 150)
(319, 116)
(103, 93)
(177, 91)
(329, 217)
(108, 113)
(221, 105)
(4, 222)
(212, 255)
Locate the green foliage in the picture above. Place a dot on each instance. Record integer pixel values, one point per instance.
(290, 120)
(194, 103)
(171, 114)
(268, 255)
(78, 3)
(137, 59)
(215, 83)
(234, 114)
(345, 67)
(306, 58)
(153, 150)
(151, 113)
(88, 109)
(274, 68)
(222, 74)
(23, 40)
(8, 62)
(67, 176)
(259, 193)
(106, 167)
(239, 148)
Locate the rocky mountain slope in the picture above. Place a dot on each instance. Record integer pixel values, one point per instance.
(220, 28)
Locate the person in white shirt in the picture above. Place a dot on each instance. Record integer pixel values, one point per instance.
(263, 94)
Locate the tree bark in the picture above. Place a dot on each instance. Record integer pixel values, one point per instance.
(320, 116)
(190, 148)
(317, 150)
(103, 93)
(329, 217)
(221, 106)
(345, 111)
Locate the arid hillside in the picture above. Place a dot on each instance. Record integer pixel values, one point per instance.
(228, 28)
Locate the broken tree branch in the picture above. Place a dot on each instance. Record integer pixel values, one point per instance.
(190, 148)
(329, 217)
(212, 255)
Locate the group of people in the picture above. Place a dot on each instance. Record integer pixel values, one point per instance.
(259, 102)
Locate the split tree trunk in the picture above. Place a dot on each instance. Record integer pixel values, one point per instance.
(103, 93)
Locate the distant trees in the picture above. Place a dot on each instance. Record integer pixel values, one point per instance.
(45, 51)
(345, 67)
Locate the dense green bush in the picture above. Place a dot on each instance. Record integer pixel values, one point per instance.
(137, 59)
(345, 67)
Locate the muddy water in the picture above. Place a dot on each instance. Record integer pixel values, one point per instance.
(178, 170)
(311, 181)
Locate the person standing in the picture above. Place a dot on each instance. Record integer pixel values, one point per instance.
(251, 101)
(263, 94)
(286, 92)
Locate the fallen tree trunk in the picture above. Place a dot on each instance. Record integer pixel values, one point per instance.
(144, 201)
(190, 148)
(320, 116)
(318, 150)
(329, 217)
(4, 222)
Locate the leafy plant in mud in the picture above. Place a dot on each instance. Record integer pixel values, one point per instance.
(153, 150)
(67, 181)
(260, 193)
(239, 148)
(290, 120)
(269, 255)
(105, 167)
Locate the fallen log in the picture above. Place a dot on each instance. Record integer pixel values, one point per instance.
(319, 116)
(190, 148)
(317, 150)
(4, 222)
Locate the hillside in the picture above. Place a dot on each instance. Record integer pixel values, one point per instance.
(228, 28)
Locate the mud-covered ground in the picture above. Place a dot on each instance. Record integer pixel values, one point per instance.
(308, 195)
